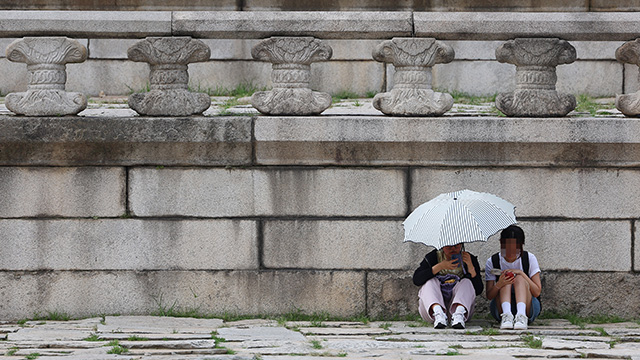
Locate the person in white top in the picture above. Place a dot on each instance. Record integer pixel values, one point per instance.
(518, 284)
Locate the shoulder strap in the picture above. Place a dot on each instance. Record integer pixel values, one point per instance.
(495, 260)
(525, 262)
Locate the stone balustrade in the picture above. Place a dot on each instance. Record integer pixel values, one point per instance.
(537, 43)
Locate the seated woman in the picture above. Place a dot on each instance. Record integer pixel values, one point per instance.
(450, 280)
(518, 284)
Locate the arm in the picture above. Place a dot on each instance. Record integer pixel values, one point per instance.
(493, 287)
(426, 271)
(473, 270)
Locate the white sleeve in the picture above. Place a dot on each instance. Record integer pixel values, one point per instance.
(488, 276)
(534, 267)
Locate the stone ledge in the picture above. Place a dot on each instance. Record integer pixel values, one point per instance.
(508, 25)
(609, 26)
(125, 140)
(320, 140)
(377, 140)
(261, 24)
(102, 24)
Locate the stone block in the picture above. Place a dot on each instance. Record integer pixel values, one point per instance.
(618, 5)
(474, 50)
(87, 24)
(594, 293)
(235, 192)
(339, 244)
(263, 24)
(447, 141)
(128, 244)
(576, 79)
(354, 76)
(129, 5)
(568, 245)
(85, 293)
(391, 293)
(110, 48)
(228, 75)
(358, 49)
(570, 193)
(47, 192)
(478, 78)
(112, 77)
(631, 78)
(596, 50)
(125, 141)
(569, 26)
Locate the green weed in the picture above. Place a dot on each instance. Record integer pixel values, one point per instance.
(32, 356)
(12, 350)
(316, 344)
(385, 326)
(137, 338)
(487, 332)
(344, 94)
(92, 337)
(370, 94)
(532, 341)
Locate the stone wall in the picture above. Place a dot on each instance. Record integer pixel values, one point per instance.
(260, 215)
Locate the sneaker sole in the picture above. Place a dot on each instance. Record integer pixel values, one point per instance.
(519, 327)
(457, 326)
(440, 326)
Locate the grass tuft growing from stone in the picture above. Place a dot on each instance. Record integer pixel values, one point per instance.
(531, 341)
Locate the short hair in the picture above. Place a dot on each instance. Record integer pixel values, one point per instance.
(513, 232)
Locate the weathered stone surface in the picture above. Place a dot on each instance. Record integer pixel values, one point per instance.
(262, 24)
(434, 5)
(260, 334)
(46, 58)
(572, 79)
(313, 244)
(158, 325)
(391, 293)
(86, 191)
(237, 192)
(573, 193)
(629, 52)
(536, 60)
(478, 77)
(169, 79)
(125, 141)
(128, 244)
(412, 94)
(459, 141)
(559, 344)
(290, 76)
(243, 292)
(543, 240)
(614, 26)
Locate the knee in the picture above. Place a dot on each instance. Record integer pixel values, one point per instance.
(521, 281)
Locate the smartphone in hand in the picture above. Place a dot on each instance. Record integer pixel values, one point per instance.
(457, 257)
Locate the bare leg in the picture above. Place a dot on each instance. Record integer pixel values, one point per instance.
(523, 293)
(505, 296)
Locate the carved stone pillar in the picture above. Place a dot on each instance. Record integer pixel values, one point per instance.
(411, 94)
(629, 52)
(290, 76)
(169, 94)
(536, 60)
(46, 58)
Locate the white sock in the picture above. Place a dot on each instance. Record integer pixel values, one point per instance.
(506, 307)
(437, 309)
(522, 308)
(461, 310)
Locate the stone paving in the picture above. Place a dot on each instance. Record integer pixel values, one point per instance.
(164, 338)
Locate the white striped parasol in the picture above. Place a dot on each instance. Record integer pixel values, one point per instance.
(458, 217)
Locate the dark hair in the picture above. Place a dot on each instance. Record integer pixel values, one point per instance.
(513, 232)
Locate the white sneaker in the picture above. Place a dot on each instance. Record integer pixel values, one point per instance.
(521, 322)
(457, 320)
(507, 321)
(439, 320)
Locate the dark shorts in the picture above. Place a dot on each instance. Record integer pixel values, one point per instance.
(535, 308)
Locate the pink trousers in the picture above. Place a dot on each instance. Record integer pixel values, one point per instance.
(463, 294)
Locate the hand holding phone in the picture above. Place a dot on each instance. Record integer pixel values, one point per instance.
(458, 258)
